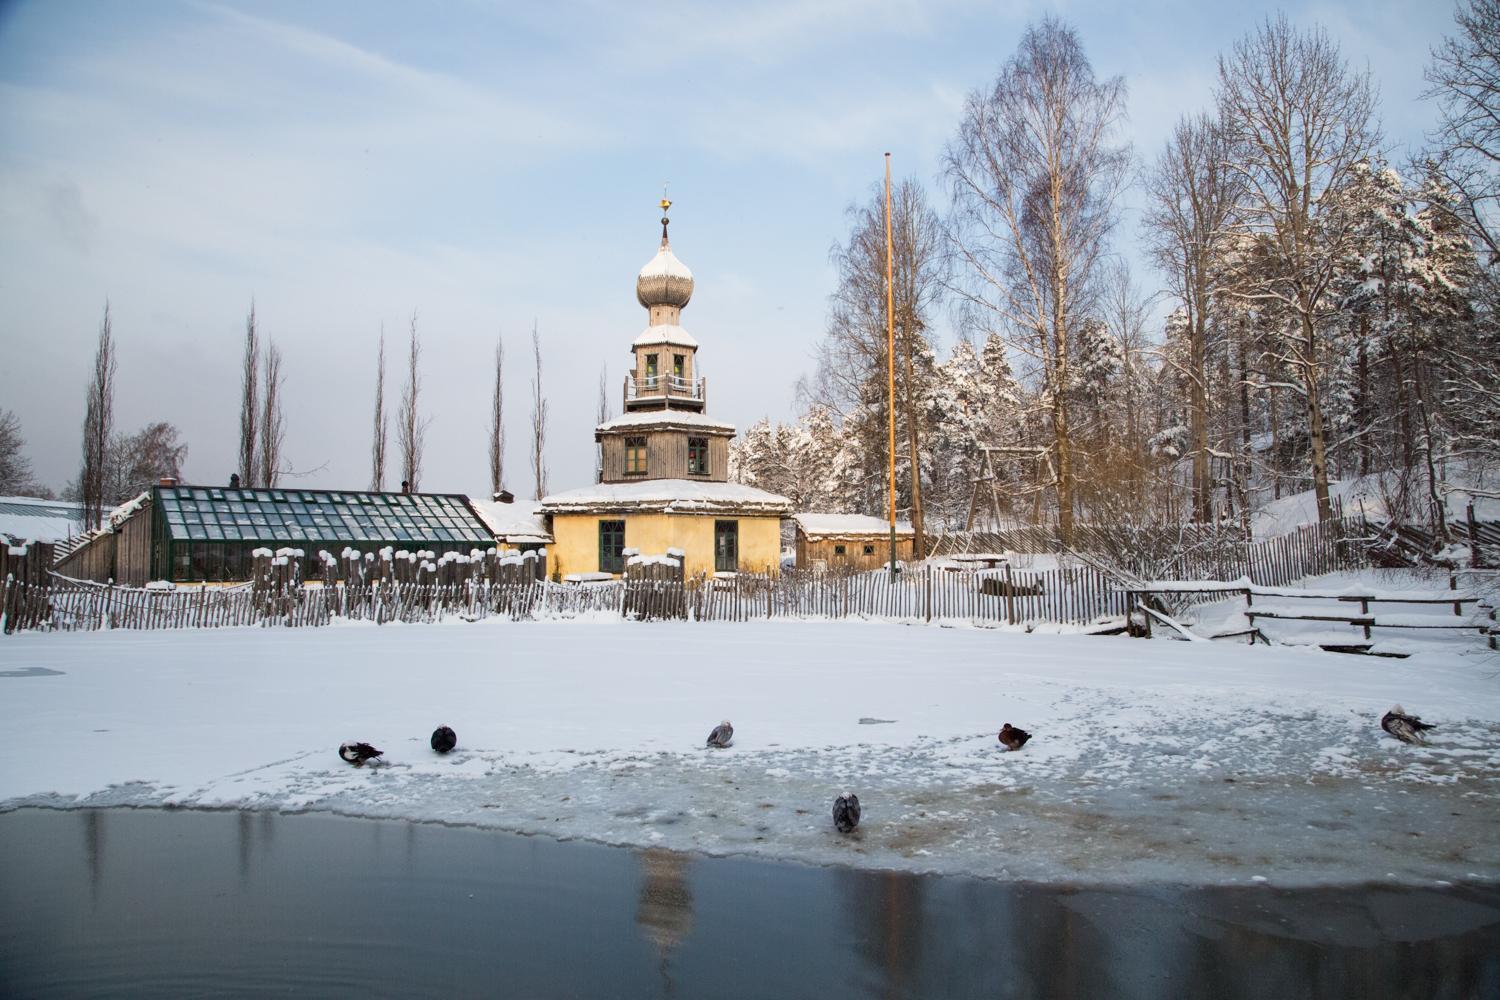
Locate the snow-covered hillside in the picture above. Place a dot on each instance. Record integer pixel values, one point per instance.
(1151, 759)
(1362, 493)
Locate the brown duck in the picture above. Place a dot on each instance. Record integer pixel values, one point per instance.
(1013, 738)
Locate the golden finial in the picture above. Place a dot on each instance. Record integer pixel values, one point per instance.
(665, 204)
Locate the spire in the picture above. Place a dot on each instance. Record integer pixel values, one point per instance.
(664, 281)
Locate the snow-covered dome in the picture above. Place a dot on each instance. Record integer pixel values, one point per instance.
(664, 281)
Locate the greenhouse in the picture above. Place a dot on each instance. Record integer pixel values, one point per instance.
(197, 533)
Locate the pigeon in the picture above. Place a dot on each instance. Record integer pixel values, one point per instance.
(1406, 728)
(1013, 738)
(846, 812)
(444, 739)
(722, 736)
(358, 753)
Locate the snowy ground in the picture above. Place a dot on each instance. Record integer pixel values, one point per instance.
(1152, 759)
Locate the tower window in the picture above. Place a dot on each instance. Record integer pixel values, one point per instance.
(698, 456)
(679, 365)
(635, 456)
(651, 369)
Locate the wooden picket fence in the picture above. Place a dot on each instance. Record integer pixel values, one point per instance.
(417, 587)
(987, 597)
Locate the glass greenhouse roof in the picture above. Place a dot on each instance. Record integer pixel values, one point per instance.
(198, 513)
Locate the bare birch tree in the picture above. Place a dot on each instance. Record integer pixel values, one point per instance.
(1465, 79)
(1193, 193)
(249, 402)
(1300, 120)
(1034, 172)
(411, 429)
(98, 423)
(378, 440)
(538, 420)
(272, 419)
(497, 422)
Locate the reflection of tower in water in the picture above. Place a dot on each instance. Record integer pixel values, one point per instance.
(93, 847)
(664, 912)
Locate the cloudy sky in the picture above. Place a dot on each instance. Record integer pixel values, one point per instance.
(489, 166)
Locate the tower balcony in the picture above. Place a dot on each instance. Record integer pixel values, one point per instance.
(653, 392)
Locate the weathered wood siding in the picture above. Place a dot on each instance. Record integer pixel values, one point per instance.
(93, 560)
(123, 556)
(666, 457)
(811, 551)
(133, 549)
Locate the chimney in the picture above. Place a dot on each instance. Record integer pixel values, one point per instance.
(167, 481)
(504, 496)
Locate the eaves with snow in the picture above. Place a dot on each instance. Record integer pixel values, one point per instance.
(519, 523)
(820, 526)
(668, 496)
(665, 419)
(667, 333)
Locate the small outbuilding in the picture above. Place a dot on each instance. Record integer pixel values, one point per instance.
(849, 541)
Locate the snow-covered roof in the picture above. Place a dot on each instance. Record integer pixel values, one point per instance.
(665, 418)
(817, 526)
(32, 520)
(665, 264)
(666, 333)
(672, 496)
(520, 522)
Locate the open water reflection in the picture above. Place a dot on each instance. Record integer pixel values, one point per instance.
(179, 903)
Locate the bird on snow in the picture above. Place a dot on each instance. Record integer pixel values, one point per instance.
(1406, 728)
(358, 753)
(722, 735)
(1013, 738)
(846, 812)
(444, 739)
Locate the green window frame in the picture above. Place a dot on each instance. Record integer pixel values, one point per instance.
(726, 546)
(698, 456)
(838, 550)
(635, 456)
(679, 364)
(611, 546)
(651, 368)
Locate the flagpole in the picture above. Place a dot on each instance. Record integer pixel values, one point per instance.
(890, 345)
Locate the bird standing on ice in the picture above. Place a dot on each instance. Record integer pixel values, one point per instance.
(444, 739)
(846, 812)
(1406, 728)
(1013, 738)
(722, 735)
(358, 753)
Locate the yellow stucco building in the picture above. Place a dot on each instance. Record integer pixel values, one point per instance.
(663, 484)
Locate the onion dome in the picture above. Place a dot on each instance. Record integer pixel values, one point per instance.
(665, 280)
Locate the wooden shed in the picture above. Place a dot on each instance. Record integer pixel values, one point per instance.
(849, 541)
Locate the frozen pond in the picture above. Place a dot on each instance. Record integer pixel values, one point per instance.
(117, 902)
